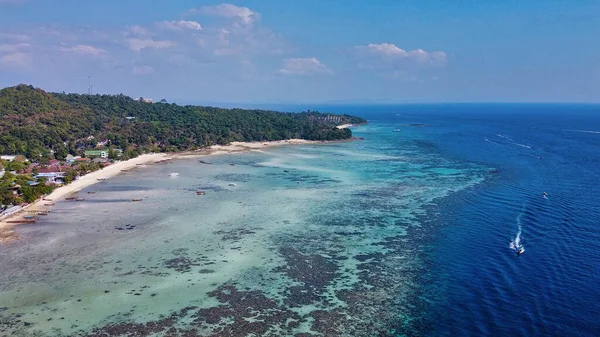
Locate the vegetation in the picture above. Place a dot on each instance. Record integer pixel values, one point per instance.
(34, 122)
(28, 189)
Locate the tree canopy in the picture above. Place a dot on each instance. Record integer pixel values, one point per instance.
(33, 122)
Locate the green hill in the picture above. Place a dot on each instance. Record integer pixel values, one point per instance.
(33, 121)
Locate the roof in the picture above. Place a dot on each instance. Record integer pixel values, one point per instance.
(83, 159)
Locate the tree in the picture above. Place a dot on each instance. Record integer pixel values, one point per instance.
(61, 152)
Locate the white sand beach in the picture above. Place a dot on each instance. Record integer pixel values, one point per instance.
(7, 232)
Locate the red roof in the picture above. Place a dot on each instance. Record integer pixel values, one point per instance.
(49, 169)
(83, 159)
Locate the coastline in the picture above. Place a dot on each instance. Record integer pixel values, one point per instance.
(8, 234)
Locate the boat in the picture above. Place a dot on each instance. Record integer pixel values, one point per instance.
(174, 174)
(101, 179)
(204, 162)
(70, 198)
(232, 184)
(286, 170)
(50, 204)
(200, 192)
(397, 130)
(136, 199)
(79, 199)
(232, 164)
(91, 192)
(520, 250)
(20, 221)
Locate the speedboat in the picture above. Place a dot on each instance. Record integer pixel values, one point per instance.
(520, 250)
(397, 130)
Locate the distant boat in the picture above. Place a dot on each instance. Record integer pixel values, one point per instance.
(397, 130)
(174, 174)
(136, 199)
(200, 192)
(232, 184)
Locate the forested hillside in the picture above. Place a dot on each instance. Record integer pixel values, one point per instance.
(33, 121)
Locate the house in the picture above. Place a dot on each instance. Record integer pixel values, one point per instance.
(70, 159)
(54, 162)
(8, 157)
(52, 177)
(15, 188)
(96, 153)
(101, 153)
(147, 100)
(102, 143)
(83, 160)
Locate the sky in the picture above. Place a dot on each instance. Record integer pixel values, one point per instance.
(306, 51)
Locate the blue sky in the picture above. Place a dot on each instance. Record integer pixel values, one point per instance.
(307, 51)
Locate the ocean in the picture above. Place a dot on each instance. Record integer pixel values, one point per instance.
(398, 234)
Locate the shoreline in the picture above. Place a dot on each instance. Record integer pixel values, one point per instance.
(7, 229)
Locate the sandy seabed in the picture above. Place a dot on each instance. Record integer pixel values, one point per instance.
(8, 234)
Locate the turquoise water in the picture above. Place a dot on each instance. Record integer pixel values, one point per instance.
(335, 246)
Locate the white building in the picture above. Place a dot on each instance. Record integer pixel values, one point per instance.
(8, 157)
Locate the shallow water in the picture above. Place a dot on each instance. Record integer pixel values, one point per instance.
(326, 247)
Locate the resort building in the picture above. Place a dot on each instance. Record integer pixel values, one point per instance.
(101, 153)
(52, 177)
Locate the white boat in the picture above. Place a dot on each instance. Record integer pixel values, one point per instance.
(232, 184)
(174, 174)
(520, 250)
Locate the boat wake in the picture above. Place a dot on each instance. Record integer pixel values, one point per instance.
(515, 243)
(583, 131)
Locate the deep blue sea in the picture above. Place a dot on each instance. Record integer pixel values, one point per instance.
(479, 287)
(398, 234)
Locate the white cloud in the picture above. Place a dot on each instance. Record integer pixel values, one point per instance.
(12, 48)
(389, 54)
(84, 49)
(243, 14)
(142, 70)
(139, 44)
(136, 30)
(304, 66)
(16, 60)
(180, 25)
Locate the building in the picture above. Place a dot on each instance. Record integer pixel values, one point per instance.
(8, 157)
(147, 100)
(52, 177)
(96, 153)
(101, 153)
